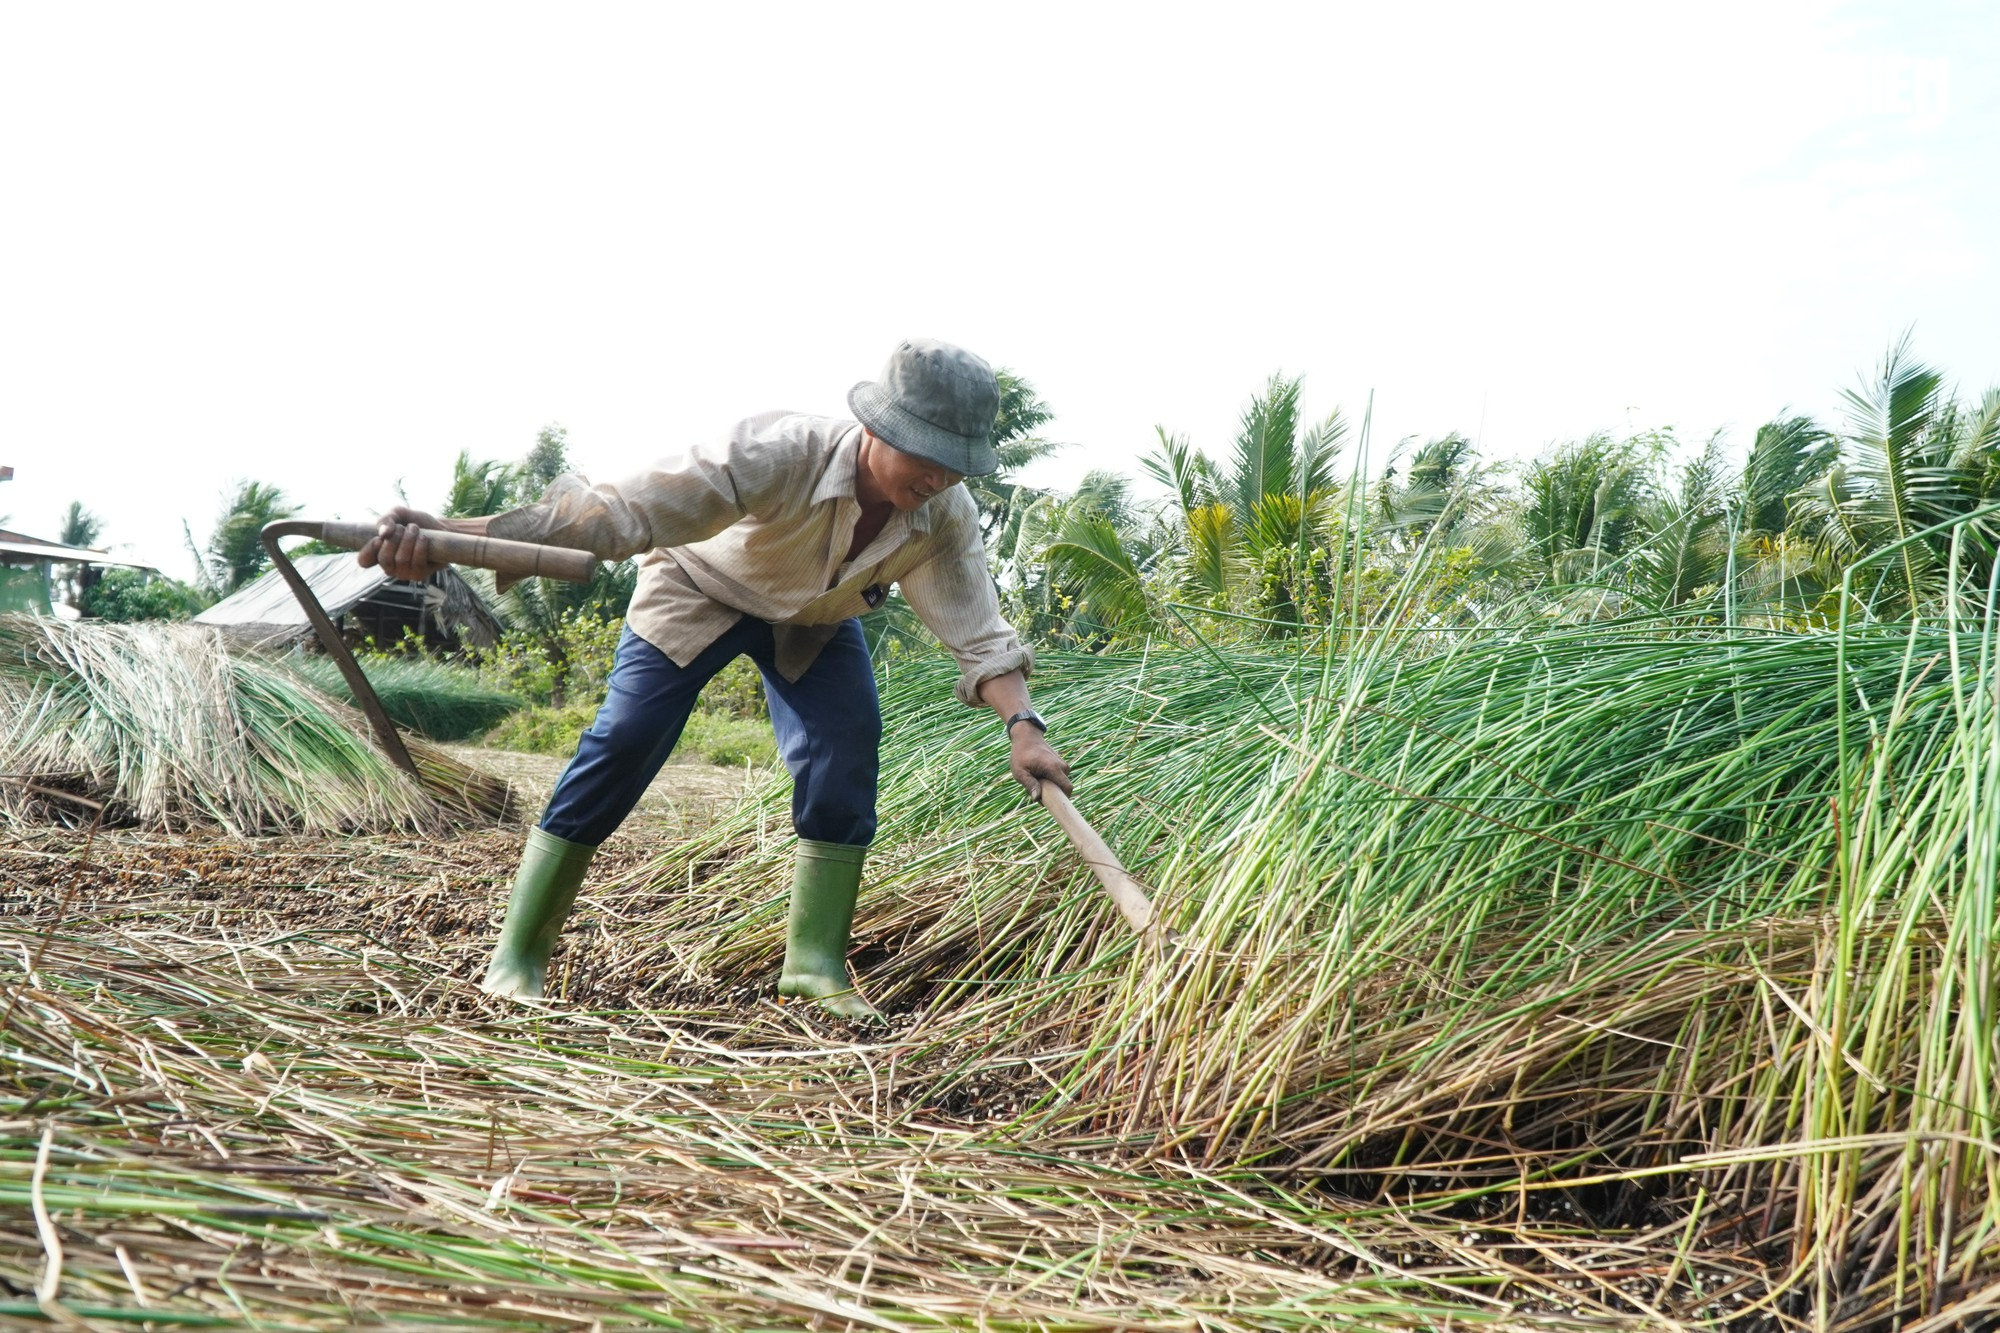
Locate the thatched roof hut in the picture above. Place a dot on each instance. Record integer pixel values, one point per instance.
(444, 609)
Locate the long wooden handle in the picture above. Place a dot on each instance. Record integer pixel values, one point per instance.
(1132, 901)
(458, 548)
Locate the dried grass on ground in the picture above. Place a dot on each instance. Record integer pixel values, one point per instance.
(1573, 979)
(251, 1086)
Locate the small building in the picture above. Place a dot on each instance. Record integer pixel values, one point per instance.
(28, 566)
(444, 610)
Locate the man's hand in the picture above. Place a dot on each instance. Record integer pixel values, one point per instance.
(1035, 761)
(399, 546)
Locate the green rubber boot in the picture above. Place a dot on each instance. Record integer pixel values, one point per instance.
(824, 886)
(544, 891)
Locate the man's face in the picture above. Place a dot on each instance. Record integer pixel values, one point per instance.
(905, 479)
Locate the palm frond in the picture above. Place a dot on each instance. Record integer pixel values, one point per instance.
(234, 555)
(1107, 495)
(1889, 427)
(1587, 494)
(1787, 455)
(1266, 461)
(1686, 548)
(79, 526)
(1898, 474)
(1090, 559)
(1823, 512)
(1178, 466)
(1280, 522)
(1781, 577)
(1442, 480)
(1443, 463)
(1020, 414)
(480, 487)
(1976, 443)
(1318, 450)
(1013, 455)
(1214, 561)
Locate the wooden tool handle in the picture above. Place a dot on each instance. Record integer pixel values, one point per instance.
(1132, 901)
(522, 559)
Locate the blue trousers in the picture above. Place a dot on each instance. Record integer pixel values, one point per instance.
(828, 724)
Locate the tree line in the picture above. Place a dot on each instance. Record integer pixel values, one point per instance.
(1281, 533)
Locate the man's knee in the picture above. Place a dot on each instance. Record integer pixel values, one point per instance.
(621, 735)
(849, 823)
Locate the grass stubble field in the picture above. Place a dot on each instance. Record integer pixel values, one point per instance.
(1590, 977)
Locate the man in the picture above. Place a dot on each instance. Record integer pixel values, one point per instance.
(771, 543)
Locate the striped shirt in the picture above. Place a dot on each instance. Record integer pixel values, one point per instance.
(759, 523)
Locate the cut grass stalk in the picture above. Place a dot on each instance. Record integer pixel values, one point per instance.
(1468, 895)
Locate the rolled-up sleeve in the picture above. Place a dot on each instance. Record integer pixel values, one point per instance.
(682, 499)
(953, 595)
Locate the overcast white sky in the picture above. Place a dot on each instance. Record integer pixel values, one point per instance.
(329, 247)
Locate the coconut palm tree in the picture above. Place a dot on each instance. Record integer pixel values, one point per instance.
(1411, 500)
(1241, 536)
(1006, 503)
(1100, 560)
(1445, 498)
(80, 527)
(1787, 455)
(1685, 547)
(233, 555)
(1911, 458)
(1776, 571)
(537, 606)
(1585, 502)
(480, 487)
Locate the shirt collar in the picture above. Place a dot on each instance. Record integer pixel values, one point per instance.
(837, 483)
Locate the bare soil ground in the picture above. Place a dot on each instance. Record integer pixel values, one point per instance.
(435, 898)
(683, 798)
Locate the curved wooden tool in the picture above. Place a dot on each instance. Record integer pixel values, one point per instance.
(520, 558)
(1133, 904)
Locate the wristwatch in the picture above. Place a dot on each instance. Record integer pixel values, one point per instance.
(1029, 716)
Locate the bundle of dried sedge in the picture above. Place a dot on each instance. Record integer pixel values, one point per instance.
(162, 726)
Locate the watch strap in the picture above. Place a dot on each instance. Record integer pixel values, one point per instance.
(1030, 716)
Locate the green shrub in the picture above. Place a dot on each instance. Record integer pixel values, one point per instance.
(127, 595)
(542, 729)
(572, 665)
(565, 674)
(737, 691)
(720, 739)
(554, 666)
(710, 737)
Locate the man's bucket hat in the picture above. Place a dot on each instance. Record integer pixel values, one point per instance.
(935, 401)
